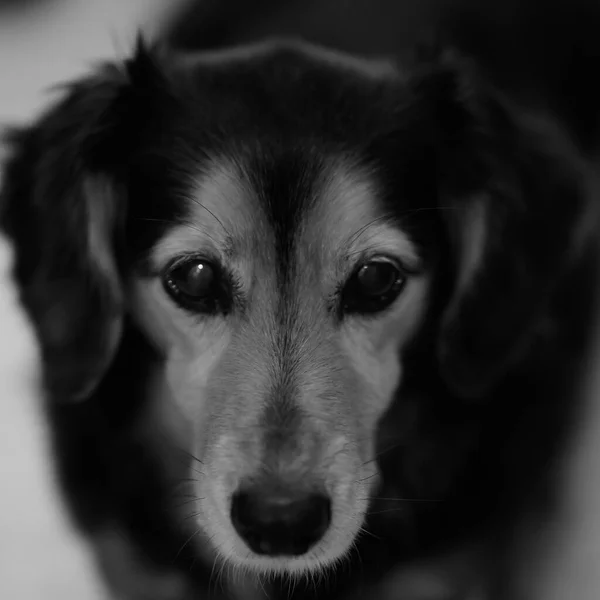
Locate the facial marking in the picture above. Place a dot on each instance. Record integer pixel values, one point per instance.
(285, 394)
(345, 227)
(224, 218)
(346, 224)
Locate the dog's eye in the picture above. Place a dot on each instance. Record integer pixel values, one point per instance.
(195, 284)
(373, 287)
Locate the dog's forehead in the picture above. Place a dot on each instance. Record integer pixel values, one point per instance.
(281, 153)
(289, 212)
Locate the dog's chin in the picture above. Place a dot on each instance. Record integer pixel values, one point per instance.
(310, 564)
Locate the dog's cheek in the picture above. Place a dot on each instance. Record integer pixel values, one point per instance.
(189, 371)
(191, 350)
(378, 369)
(374, 350)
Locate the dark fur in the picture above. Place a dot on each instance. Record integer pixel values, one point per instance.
(485, 403)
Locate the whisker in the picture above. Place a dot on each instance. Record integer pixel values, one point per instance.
(192, 515)
(262, 586)
(290, 587)
(180, 223)
(189, 480)
(189, 455)
(196, 471)
(212, 571)
(194, 499)
(186, 543)
(357, 234)
(181, 496)
(385, 510)
(365, 531)
(165, 439)
(221, 574)
(382, 452)
(390, 216)
(366, 478)
(178, 495)
(198, 203)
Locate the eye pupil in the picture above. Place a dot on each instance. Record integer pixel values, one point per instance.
(195, 279)
(377, 278)
(197, 285)
(372, 287)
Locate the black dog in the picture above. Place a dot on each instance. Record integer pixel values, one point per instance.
(301, 310)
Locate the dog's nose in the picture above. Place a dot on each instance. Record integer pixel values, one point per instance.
(280, 524)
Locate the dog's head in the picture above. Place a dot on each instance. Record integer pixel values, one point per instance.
(277, 222)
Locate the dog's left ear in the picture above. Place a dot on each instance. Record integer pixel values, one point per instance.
(63, 208)
(512, 189)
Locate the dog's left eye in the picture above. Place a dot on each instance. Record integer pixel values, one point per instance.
(373, 287)
(195, 285)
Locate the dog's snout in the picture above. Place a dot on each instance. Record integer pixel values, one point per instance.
(280, 523)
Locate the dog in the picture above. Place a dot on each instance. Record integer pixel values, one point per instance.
(304, 315)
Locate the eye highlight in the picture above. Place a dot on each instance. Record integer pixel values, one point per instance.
(197, 285)
(373, 286)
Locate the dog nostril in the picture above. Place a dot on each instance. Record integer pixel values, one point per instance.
(280, 524)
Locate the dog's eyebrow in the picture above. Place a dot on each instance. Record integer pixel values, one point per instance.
(383, 236)
(222, 219)
(349, 223)
(187, 239)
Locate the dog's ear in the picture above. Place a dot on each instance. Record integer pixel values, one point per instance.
(511, 186)
(63, 206)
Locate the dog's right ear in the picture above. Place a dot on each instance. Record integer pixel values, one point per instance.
(517, 198)
(62, 206)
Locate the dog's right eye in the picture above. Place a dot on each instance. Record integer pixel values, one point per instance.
(373, 287)
(196, 285)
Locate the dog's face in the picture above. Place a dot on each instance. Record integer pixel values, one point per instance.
(282, 304)
(274, 222)
(281, 294)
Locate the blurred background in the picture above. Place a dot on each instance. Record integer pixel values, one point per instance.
(46, 41)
